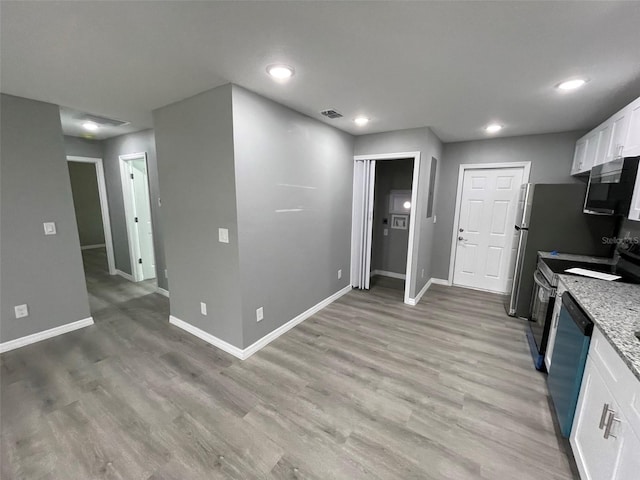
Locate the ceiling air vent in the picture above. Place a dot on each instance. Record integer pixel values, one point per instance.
(331, 113)
(103, 121)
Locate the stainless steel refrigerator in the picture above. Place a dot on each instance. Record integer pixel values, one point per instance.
(549, 218)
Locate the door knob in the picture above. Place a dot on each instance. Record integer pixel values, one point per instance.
(461, 230)
(460, 238)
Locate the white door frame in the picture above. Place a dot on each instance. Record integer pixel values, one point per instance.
(104, 207)
(127, 197)
(412, 218)
(476, 166)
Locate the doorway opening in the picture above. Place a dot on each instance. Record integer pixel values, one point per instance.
(91, 206)
(137, 206)
(484, 240)
(384, 197)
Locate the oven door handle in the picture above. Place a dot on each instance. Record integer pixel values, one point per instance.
(542, 283)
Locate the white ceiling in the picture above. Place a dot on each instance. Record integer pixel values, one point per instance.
(454, 66)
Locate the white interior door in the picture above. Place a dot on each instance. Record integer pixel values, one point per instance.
(363, 202)
(135, 187)
(485, 236)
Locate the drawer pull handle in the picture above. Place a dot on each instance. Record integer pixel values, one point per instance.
(603, 417)
(607, 431)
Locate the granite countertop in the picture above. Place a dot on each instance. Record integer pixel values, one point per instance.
(615, 310)
(577, 258)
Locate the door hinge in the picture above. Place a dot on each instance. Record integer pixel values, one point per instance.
(135, 219)
(131, 176)
(139, 260)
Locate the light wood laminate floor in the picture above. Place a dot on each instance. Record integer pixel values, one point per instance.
(367, 388)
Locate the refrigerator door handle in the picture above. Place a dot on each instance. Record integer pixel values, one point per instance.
(522, 242)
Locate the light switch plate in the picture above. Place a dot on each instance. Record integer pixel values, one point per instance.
(259, 314)
(21, 310)
(203, 308)
(386, 232)
(339, 274)
(223, 235)
(49, 228)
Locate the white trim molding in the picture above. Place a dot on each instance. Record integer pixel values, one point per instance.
(125, 275)
(91, 247)
(385, 273)
(440, 281)
(245, 353)
(526, 170)
(163, 291)
(45, 334)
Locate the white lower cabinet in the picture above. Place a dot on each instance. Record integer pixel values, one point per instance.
(604, 442)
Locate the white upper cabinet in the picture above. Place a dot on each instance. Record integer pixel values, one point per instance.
(579, 156)
(632, 141)
(617, 137)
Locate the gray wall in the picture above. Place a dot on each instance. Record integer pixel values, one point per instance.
(429, 146)
(110, 150)
(137, 142)
(389, 253)
(550, 156)
(86, 203)
(83, 147)
(289, 259)
(194, 138)
(44, 272)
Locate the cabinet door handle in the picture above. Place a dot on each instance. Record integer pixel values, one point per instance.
(603, 417)
(607, 431)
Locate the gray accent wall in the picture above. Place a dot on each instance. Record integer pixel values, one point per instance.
(429, 146)
(194, 139)
(550, 156)
(294, 178)
(83, 147)
(86, 202)
(45, 272)
(389, 252)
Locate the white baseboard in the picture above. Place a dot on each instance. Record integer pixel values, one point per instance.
(414, 301)
(385, 273)
(89, 247)
(163, 291)
(270, 337)
(440, 281)
(243, 354)
(125, 275)
(52, 332)
(207, 337)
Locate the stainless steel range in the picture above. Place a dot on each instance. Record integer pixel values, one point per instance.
(625, 264)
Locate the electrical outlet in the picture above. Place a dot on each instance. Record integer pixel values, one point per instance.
(223, 235)
(339, 274)
(386, 232)
(21, 310)
(434, 219)
(49, 228)
(259, 314)
(166, 275)
(422, 273)
(203, 308)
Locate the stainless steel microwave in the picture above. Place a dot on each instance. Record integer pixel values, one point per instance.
(611, 187)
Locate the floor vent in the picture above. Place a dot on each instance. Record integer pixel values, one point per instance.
(331, 113)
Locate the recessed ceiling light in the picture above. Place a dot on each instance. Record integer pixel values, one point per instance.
(92, 127)
(361, 121)
(571, 84)
(280, 71)
(407, 205)
(493, 128)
